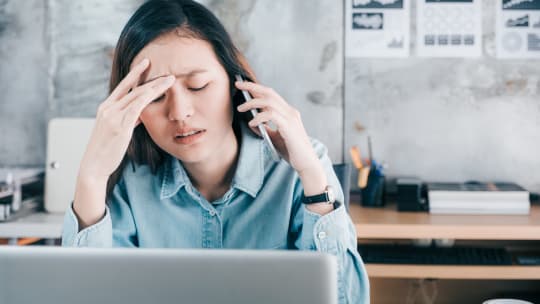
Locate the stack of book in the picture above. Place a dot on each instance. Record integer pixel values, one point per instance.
(21, 191)
(477, 198)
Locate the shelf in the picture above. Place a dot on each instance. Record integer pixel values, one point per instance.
(40, 225)
(453, 272)
(388, 223)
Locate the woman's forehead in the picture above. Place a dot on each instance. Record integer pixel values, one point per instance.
(171, 53)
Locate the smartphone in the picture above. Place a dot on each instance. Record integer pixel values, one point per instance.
(262, 129)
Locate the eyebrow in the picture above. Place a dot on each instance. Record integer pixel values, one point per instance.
(188, 74)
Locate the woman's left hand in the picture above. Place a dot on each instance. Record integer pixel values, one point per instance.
(290, 138)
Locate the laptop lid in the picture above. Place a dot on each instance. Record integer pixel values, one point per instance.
(48, 275)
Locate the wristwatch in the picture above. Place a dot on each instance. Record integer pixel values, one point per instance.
(326, 197)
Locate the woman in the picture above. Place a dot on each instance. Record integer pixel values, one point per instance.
(175, 160)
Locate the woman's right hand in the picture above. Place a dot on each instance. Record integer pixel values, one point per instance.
(116, 119)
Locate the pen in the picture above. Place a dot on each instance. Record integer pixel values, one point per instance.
(363, 175)
(363, 172)
(356, 158)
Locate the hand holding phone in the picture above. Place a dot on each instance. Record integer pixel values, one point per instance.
(262, 129)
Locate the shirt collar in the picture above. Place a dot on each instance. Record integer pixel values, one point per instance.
(174, 177)
(253, 159)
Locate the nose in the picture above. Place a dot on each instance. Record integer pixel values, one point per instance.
(180, 104)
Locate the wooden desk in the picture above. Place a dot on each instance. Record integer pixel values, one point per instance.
(388, 223)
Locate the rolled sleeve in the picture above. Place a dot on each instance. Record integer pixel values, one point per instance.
(334, 233)
(327, 232)
(104, 234)
(97, 235)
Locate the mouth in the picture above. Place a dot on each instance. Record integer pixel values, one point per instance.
(187, 134)
(188, 137)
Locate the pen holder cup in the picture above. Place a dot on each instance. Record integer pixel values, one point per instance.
(373, 194)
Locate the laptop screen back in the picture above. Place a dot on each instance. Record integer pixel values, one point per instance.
(83, 275)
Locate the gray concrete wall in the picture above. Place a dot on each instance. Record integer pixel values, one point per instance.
(23, 81)
(83, 35)
(295, 47)
(440, 119)
(54, 62)
(449, 119)
(55, 59)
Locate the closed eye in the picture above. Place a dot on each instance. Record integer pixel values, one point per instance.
(198, 89)
(160, 98)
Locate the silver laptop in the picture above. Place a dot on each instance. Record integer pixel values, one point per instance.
(47, 275)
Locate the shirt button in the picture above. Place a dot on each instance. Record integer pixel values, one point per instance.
(212, 212)
(321, 235)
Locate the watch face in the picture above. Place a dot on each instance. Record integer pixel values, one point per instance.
(331, 195)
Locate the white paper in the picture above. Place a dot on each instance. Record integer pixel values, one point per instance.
(449, 28)
(377, 28)
(518, 28)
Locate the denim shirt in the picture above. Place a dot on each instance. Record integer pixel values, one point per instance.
(261, 210)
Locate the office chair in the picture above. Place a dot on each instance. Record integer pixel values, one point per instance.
(343, 173)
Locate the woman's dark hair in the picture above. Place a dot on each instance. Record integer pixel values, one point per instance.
(188, 19)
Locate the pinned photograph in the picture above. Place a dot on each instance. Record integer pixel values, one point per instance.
(449, 28)
(377, 28)
(517, 25)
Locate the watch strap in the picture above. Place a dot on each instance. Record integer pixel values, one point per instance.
(326, 197)
(318, 198)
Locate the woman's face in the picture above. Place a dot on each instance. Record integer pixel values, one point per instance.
(193, 119)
